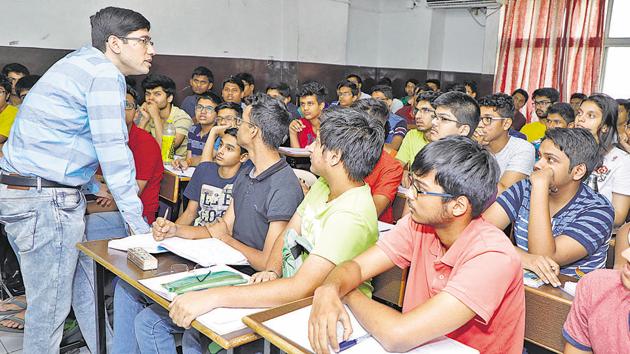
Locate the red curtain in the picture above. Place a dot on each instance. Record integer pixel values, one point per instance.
(551, 43)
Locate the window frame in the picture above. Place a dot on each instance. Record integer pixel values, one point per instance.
(609, 42)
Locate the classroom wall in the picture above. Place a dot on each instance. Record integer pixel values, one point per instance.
(289, 40)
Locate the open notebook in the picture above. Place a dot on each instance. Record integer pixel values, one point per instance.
(206, 252)
(220, 320)
(185, 173)
(294, 326)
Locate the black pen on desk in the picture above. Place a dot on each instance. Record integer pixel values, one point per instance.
(347, 344)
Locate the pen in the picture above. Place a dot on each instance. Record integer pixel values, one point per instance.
(347, 344)
(166, 214)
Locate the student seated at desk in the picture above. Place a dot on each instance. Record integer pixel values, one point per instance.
(598, 114)
(201, 82)
(599, 320)
(158, 109)
(387, 174)
(515, 156)
(560, 224)
(210, 189)
(104, 220)
(396, 125)
(335, 222)
(560, 115)
(232, 90)
(206, 118)
(303, 131)
(449, 250)
(456, 113)
(282, 91)
(416, 139)
(264, 198)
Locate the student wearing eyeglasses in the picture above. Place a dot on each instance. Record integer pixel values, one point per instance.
(514, 155)
(206, 118)
(542, 98)
(448, 249)
(416, 139)
(456, 113)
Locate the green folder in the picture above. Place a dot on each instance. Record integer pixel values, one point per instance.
(214, 280)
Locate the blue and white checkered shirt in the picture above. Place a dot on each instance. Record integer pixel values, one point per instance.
(71, 121)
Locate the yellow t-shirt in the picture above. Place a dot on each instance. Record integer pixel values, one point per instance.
(413, 142)
(182, 122)
(7, 116)
(534, 131)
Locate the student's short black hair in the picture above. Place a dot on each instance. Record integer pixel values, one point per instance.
(578, 95)
(551, 93)
(234, 80)
(282, 87)
(247, 77)
(115, 21)
(522, 92)
(579, 145)
(272, 118)
(374, 108)
(313, 88)
(564, 110)
(230, 105)
(216, 99)
(422, 87)
(356, 77)
(456, 88)
(610, 110)
(501, 102)
(472, 84)
(15, 68)
(357, 137)
(203, 71)
(384, 81)
(6, 85)
(233, 132)
(413, 81)
(385, 90)
(158, 80)
(349, 84)
(133, 93)
(462, 106)
(436, 82)
(429, 96)
(462, 167)
(26, 83)
(624, 103)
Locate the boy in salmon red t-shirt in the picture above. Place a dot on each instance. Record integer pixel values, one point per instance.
(104, 221)
(465, 279)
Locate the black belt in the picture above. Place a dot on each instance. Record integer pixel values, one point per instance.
(25, 181)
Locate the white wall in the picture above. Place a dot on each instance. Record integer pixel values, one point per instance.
(383, 33)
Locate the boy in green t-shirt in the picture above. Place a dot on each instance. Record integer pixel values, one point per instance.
(335, 222)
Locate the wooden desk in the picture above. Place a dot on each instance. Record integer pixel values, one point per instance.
(546, 309)
(296, 160)
(106, 259)
(390, 286)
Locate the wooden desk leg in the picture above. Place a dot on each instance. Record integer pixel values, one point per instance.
(99, 284)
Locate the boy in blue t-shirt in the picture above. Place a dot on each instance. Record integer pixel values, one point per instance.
(560, 224)
(210, 188)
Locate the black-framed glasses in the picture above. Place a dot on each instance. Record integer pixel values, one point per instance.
(202, 277)
(443, 118)
(239, 121)
(144, 40)
(423, 110)
(129, 106)
(415, 190)
(201, 108)
(541, 103)
(487, 120)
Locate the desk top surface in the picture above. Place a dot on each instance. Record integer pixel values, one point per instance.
(116, 262)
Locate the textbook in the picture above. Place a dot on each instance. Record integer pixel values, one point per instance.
(532, 280)
(220, 320)
(294, 326)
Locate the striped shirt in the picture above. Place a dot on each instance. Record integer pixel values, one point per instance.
(587, 218)
(72, 120)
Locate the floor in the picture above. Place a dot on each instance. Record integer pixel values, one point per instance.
(12, 343)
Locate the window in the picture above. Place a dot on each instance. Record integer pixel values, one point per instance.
(616, 64)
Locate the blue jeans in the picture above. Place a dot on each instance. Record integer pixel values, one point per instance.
(106, 225)
(45, 225)
(142, 326)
